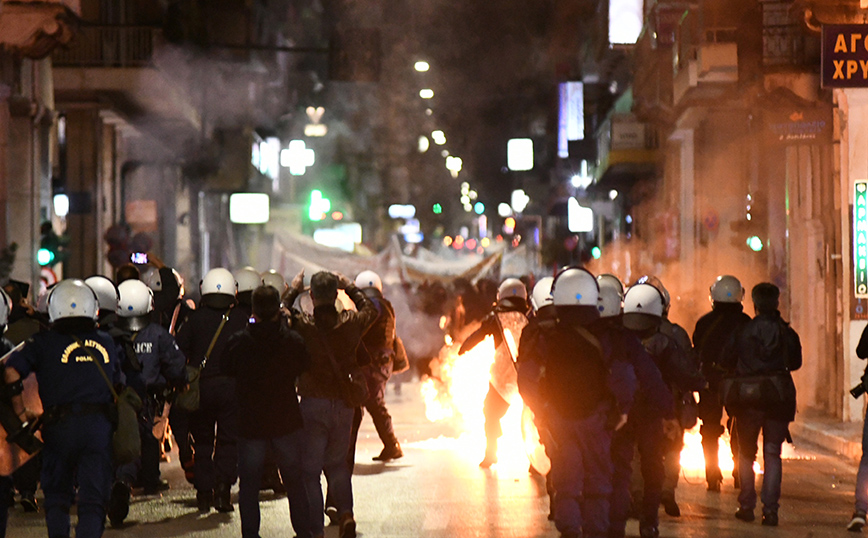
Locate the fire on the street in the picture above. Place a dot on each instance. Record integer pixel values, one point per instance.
(454, 395)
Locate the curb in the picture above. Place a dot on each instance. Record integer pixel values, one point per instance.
(819, 434)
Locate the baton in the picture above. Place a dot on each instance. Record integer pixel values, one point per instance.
(11, 351)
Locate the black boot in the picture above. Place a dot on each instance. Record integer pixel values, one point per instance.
(390, 452)
(222, 501)
(119, 504)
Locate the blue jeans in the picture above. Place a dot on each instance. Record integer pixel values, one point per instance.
(582, 475)
(748, 423)
(862, 475)
(251, 458)
(328, 425)
(77, 451)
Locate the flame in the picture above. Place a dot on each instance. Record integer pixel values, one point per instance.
(454, 394)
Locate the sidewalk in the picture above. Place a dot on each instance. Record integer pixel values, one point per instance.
(841, 438)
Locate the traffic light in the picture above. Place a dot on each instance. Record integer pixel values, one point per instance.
(319, 205)
(52, 247)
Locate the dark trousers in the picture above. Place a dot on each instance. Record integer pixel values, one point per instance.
(77, 452)
(26, 477)
(287, 451)
(711, 415)
(215, 434)
(749, 423)
(179, 420)
(6, 494)
(146, 470)
(494, 408)
(672, 462)
(377, 376)
(582, 475)
(646, 432)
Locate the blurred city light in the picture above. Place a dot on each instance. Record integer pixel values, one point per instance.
(484, 242)
(447, 241)
(61, 205)
(319, 205)
(437, 209)
(439, 137)
(421, 66)
(297, 158)
(613, 194)
(519, 154)
(424, 144)
(519, 200)
(248, 208)
(579, 219)
(755, 243)
(454, 164)
(399, 211)
(479, 208)
(426, 93)
(625, 21)
(596, 253)
(504, 209)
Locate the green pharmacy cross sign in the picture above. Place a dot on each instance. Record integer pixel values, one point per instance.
(860, 238)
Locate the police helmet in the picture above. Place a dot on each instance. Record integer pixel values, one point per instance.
(274, 279)
(657, 283)
(154, 280)
(5, 308)
(608, 279)
(72, 298)
(542, 293)
(575, 286)
(106, 292)
(248, 279)
(369, 279)
(136, 299)
(643, 307)
(726, 289)
(218, 280)
(611, 295)
(511, 287)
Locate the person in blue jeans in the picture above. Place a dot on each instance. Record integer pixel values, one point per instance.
(765, 348)
(266, 358)
(859, 519)
(331, 338)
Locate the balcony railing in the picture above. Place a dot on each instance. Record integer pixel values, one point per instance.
(109, 46)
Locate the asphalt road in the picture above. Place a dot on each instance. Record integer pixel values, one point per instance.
(438, 491)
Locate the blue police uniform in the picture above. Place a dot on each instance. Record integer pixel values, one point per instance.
(6, 484)
(77, 432)
(162, 365)
(581, 388)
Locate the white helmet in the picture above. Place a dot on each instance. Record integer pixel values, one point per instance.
(274, 279)
(248, 279)
(369, 279)
(657, 283)
(608, 279)
(643, 299)
(72, 298)
(106, 292)
(511, 287)
(136, 299)
(542, 293)
(727, 289)
(5, 307)
(218, 280)
(154, 280)
(611, 295)
(575, 286)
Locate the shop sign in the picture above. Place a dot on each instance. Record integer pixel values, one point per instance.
(799, 125)
(844, 59)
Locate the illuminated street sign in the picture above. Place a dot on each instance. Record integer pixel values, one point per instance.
(297, 158)
(844, 57)
(860, 238)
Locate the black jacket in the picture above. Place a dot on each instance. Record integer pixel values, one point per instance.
(265, 359)
(199, 327)
(711, 334)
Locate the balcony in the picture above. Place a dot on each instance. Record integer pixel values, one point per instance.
(700, 69)
(628, 150)
(109, 46)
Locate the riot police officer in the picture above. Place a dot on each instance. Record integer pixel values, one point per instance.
(248, 279)
(77, 399)
(214, 426)
(379, 343)
(511, 297)
(712, 332)
(107, 295)
(156, 365)
(6, 483)
(583, 394)
(643, 313)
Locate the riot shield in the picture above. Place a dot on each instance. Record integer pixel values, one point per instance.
(503, 375)
(24, 442)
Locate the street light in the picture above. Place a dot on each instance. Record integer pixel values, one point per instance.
(421, 66)
(426, 93)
